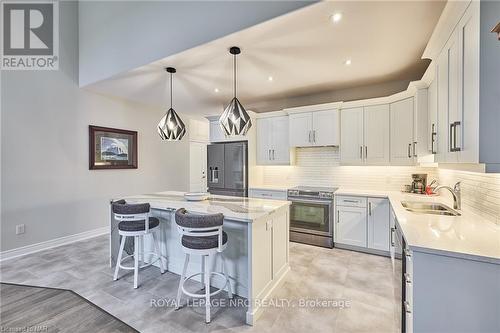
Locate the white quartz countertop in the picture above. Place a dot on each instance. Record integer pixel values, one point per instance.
(233, 208)
(467, 236)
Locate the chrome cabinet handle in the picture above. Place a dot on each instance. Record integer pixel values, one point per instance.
(310, 140)
(433, 138)
(409, 150)
(452, 125)
(370, 209)
(273, 154)
(314, 136)
(455, 147)
(338, 216)
(407, 307)
(415, 149)
(392, 236)
(361, 152)
(366, 152)
(269, 154)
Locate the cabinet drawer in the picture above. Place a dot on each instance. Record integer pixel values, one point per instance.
(267, 194)
(350, 201)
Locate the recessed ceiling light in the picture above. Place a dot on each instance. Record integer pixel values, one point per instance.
(270, 78)
(216, 90)
(347, 62)
(336, 17)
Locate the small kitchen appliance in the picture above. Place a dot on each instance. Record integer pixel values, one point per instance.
(419, 183)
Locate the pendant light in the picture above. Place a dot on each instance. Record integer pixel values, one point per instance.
(171, 127)
(235, 120)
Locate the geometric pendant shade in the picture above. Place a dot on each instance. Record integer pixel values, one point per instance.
(171, 127)
(235, 120)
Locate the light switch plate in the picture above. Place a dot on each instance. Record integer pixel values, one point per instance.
(20, 229)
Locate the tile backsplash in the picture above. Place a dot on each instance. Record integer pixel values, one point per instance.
(321, 167)
(480, 191)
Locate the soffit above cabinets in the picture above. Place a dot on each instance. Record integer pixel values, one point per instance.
(303, 51)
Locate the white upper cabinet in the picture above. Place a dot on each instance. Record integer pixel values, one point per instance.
(326, 128)
(300, 129)
(365, 135)
(457, 79)
(432, 124)
(467, 134)
(318, 128)
(403, 145)
(376, 134)
(272, 141)
(351, 136)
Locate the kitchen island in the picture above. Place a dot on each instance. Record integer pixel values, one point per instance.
(258, 233)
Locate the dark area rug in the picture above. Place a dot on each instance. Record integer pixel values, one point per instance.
(38, 309)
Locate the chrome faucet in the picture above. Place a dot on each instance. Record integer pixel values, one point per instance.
(456, 192)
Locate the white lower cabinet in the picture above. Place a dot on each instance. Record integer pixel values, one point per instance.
(378, 224)
(351, 226)
(363, 222)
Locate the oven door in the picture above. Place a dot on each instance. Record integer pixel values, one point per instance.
(311, 216)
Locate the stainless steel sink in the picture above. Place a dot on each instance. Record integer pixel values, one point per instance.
(429, 208)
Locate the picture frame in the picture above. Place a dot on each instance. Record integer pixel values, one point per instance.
(112, 148)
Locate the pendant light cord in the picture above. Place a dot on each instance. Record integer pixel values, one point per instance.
(234, 73)
(171, 90)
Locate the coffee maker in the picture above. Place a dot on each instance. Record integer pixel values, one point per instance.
(419, 183)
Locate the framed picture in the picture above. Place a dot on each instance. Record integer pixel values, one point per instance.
(111, 148)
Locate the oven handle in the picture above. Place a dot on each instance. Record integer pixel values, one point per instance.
(319, 202)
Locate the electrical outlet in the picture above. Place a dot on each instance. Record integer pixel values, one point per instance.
(20, 229)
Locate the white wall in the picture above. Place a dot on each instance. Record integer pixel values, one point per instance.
(116, 36)
(45, 181)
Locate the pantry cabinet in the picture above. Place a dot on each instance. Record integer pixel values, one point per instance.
(273, 147)
(403, 145)
(365, 135)
(318, 128)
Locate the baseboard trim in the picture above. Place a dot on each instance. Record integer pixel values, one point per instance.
(24, 250)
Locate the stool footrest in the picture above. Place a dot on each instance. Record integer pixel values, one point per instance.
(204, 295)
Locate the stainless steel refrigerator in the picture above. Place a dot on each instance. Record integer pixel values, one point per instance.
(227, 165)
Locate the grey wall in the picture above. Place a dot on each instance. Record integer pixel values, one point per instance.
(489, 94)
(145, 31)
(45, 181)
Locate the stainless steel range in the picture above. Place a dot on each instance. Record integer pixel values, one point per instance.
(312, 215)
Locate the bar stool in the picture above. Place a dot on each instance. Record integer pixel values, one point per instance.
(135, 221)
(202, 235)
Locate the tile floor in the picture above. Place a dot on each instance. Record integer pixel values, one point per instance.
(365, 281)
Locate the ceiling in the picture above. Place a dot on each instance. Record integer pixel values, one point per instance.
(303, 51)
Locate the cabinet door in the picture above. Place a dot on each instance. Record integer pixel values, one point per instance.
(325, 128)
(467, 133)
(216, 132)
(442, 96)
(280, 145)
(454, 116)
(376, 135)
(300, 130)
(264, 134)
(420, 122)
(402, 143)
(351, 226)
(432, 125)
(378, 224)
(351, 136)
(280, 243)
